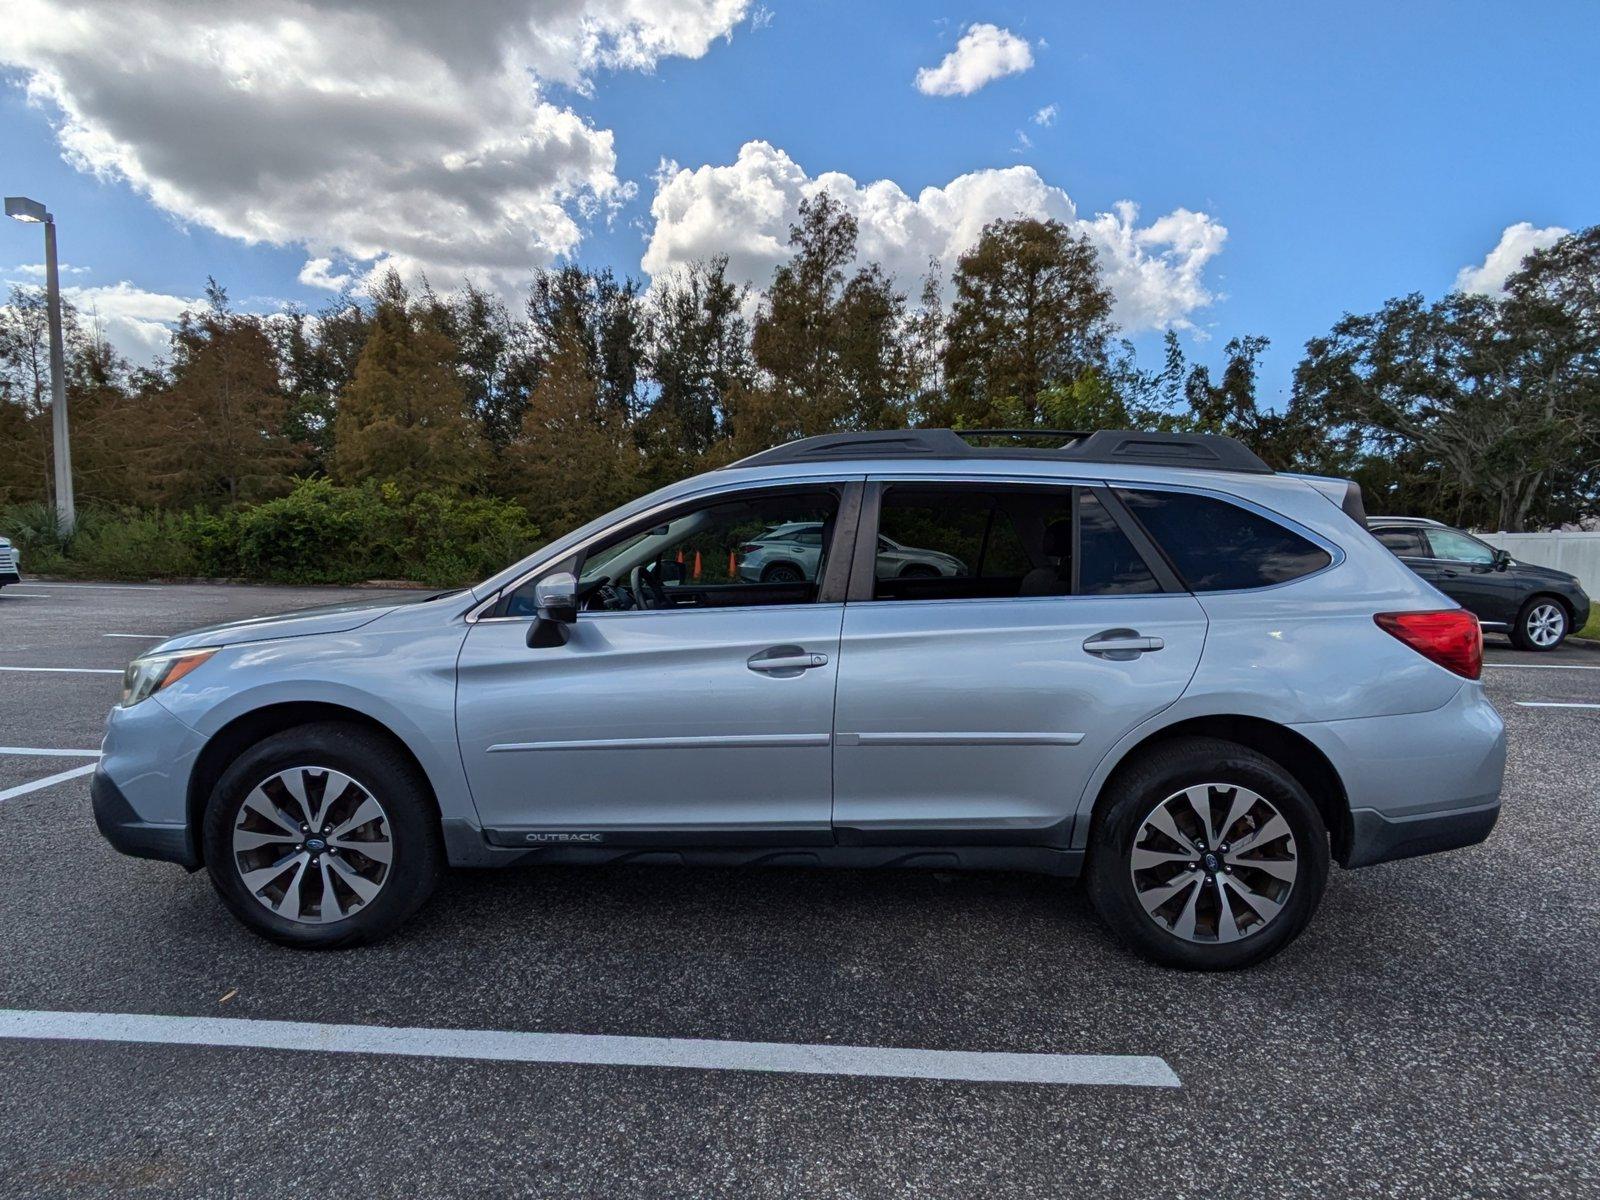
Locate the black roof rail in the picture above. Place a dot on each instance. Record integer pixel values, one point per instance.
(1203, 451)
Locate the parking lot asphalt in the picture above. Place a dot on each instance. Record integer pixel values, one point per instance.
(1433, 1033)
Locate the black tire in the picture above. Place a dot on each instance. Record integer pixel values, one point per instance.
(783, 573)
(385, 772)
(920, 571)
(1523, 633)
(1134, 795)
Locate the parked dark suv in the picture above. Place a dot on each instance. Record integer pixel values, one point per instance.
(1537, 606)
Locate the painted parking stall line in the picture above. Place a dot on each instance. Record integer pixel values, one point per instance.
(47, 752)
(67, 670)
(1539, 667)
(1122, 1070)
(1554, 704)
(22, 789)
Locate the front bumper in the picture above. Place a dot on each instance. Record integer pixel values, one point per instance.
(141, 788)
(121, 826)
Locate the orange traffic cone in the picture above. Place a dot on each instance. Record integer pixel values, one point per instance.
(697, 565)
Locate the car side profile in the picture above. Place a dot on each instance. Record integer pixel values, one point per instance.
(1537, 606)
(1152, 662)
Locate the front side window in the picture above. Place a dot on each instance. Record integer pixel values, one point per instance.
(1217, 546)
(1002, 542)
(1458, 547)
(763, 549)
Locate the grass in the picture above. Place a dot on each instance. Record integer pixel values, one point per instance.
(1592, 629)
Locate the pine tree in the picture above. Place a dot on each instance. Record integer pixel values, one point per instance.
(403, 417)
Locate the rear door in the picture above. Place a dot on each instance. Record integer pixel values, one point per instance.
(973, 704)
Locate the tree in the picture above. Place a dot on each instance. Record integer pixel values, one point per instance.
(829, 344)
(403, 417)
(1030, 314)
(574, 457)
(1494, 396)
(318, 358)
(217, 430)
(698, 354)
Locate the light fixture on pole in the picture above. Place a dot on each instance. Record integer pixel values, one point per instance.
(23, 209)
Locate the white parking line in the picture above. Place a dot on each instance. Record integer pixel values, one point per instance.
(1128, 1070)
(148, 637)
(1553, 704)
(1538, 667)
(22, 789)
(99, 587)
(46, 752)
(32, 595)
(69, 670)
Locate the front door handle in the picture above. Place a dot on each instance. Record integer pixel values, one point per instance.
(785, 660)
(1121, 644)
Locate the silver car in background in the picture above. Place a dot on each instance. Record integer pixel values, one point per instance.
(1161, 666)
(790, 553)
(10, 563)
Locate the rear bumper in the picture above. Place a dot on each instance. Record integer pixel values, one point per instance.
(9, 577)
(1376, 838)
(121, 826)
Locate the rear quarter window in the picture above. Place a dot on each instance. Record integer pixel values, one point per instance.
(1217, 546)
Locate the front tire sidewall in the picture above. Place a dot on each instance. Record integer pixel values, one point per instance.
(1171, 769)
(1520, 634)
(387, 775)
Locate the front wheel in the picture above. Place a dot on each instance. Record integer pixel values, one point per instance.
(1207, 856)
(1541, 625)
(322, 836)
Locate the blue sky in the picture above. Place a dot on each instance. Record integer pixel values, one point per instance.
(1352, 152)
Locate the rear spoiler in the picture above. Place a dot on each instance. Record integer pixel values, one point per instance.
(1346, 493)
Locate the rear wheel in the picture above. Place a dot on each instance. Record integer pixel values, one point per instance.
(1207, 856)
(1541, 625)
(322, 836)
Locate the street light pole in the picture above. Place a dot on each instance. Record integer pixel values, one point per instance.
(24, 209)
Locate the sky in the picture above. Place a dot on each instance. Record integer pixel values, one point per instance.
(1241, 167)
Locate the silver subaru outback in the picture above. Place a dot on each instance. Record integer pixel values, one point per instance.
(1146, 659)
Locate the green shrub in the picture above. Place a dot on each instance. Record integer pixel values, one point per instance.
(319, 533)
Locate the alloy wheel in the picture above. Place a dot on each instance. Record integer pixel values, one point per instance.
(1214, 863)
(1546, 624)
(312, 845)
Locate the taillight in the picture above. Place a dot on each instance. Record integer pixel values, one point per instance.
(748, 548)
(1452, 637)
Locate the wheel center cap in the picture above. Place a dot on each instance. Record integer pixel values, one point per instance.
(316, 845)
(1212, 863)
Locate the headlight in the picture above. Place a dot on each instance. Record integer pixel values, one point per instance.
(148, 675)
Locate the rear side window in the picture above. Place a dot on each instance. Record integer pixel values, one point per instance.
(1004, 542)
(1407, 543)
(1219, 547)
(1458, 547)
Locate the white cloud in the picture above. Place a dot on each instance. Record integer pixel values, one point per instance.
(319, 273)
(1046, 116)
(37, 270)
(374, 132)
(984, 53)
(1516, 243)
(744, 209)
(138, 323)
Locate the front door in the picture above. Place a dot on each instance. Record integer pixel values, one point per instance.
(1467, 572)
(979, 691)
(688, 705)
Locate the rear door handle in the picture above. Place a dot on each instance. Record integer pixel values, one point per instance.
(1122, 644)
(785, 660)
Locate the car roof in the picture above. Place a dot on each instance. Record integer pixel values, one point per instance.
(1408, 521)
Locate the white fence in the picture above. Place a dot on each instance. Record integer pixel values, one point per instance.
(1575, 553)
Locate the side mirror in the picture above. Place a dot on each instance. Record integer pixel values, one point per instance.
(1502, 559)
(557, 599)
(671, 574)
